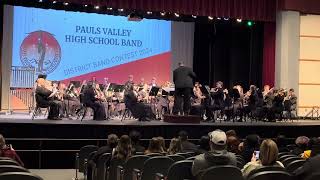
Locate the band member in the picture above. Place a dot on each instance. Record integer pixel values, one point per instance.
(198, 98)
(217, 100)
(183, 79)
(90, 100)
(138, 109)
(290, 103)
(44, 97)
(70, 97)
(153, 82)
(58, 98)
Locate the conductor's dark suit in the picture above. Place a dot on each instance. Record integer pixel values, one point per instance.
(183, 81)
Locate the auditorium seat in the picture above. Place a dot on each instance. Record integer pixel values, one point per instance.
(288, 160)
(84, 155)
(112, 170)
(222, 172)
(240, 164)
(186, 155)
(282, 158)
(283, 153)
(154, 154)
(264, 169)
(191, 158)
(8, 162)
(176, 157)
(12, 168)
(19, 176)
(135, 162)
(294, 165)
(153, 166)
(271, 175)
(178, 171)
(101, 166)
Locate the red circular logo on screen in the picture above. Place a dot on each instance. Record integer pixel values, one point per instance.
(40, 50)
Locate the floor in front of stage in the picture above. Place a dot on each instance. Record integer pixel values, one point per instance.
(24, 118)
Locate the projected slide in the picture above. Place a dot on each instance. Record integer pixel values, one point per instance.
(75, 46)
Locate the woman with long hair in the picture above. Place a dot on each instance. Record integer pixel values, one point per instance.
(175, 146)
(124, 148)
(155, 146)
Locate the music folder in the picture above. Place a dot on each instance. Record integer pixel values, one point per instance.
(119, 88)
(76, 84)
(112, 86)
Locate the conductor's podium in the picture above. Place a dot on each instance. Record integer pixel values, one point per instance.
(181, 119)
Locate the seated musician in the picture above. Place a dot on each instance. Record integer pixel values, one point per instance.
(217, 102)
(90, 100)
(197, 107)
(44, 97)
(58, 98)
(277, 105)
(290, 104)
(139, 110)
(70, 97)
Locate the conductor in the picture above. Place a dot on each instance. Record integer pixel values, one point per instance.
(183, 80)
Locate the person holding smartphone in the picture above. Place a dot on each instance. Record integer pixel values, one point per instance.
(7, 151)
(266, 156)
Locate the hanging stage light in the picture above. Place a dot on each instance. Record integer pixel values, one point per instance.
(250, 23)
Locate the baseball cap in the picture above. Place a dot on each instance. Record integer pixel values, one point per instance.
(218, 137)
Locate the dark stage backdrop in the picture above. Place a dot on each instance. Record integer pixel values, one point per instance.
(230, 52)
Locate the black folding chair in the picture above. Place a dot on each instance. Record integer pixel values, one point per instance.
(271, 175)
(222, 172)
(176, 157)
(178, 171)
(19, 176)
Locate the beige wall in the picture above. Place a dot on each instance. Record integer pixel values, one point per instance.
(309, 63)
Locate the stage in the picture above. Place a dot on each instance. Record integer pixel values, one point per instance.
(46, 143)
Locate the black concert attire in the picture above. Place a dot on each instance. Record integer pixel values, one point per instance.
(290, 105)
(139, 110)
(183, 81)
(43, 101)
(277, 107)
(215, 102)
(89, 100)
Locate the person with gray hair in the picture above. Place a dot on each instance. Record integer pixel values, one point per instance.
(218, 155)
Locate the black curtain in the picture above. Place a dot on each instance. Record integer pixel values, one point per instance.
(229, 52)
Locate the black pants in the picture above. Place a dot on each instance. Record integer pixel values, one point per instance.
(182, 101)
(99, 112)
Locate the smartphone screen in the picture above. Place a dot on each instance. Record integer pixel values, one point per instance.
(257, 154)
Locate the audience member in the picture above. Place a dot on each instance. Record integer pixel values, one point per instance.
(112, 142)
(186, 145)
(250, 144)
(218, 155)
(8, 151)
(175, 146)
(314, 148)
(233, 144)
(267, 157)
(311, 166)
(204, 144)
(231, 133)
(135, 141)
(123, 150)
(162, 143)
(155, 146)
(282, 143)
(301, 145)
